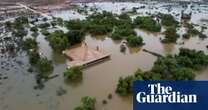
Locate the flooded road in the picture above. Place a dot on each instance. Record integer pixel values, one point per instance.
(18, 93)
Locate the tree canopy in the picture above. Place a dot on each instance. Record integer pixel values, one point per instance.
(87, 103)
(134, 41)
(168, 20)
(73, 73)
(171, 35)
(147, 23)
(177, 67)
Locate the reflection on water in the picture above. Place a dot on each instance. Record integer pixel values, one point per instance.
(58, 58)
(99, 80)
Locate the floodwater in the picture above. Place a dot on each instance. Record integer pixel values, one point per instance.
(18, 93)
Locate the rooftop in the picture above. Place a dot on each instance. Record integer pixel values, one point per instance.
(84, 55)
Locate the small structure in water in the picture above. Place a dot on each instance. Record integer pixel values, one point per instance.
(123, 46)
(186, 15)
(85, 55)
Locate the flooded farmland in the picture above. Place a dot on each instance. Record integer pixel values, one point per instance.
(17, 84)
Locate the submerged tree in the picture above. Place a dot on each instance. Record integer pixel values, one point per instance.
(44, 67)
(134, 41)
(58, 41)
(30, 43)
(87, 103)
(170, 35)
(147, 23)
(33, 57)
(168, 20)
(73, 73)
(122, 31)
(177, 67)
(75, 37)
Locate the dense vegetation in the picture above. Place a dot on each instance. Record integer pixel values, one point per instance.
(192, 59)
(57, 21)
(30, 43)
(44, 67)
(87, 103)
(134, 41)
(170, 35)
(147, 23)
(122, 32)
(177, 67)
(101, 23)
(17, 27)
(45, 32)
(186, 36)
(44, 25)
(73, 73)
(34, 29)
(34, 57)
(59, 40)
(40, 64)
(192, 31)
(120, 26)
(168, 20)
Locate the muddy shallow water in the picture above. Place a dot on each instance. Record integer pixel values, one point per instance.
(17, 92)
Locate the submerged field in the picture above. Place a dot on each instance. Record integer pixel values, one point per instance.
(17, 84)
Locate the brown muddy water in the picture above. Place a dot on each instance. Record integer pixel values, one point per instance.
(18, 93)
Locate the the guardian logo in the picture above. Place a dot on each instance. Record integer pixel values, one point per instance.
(164, 94)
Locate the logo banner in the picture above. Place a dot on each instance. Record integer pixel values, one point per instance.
(170, 95)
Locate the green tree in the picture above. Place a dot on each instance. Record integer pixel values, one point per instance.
(124, 85)
(134, 40)
(73, 73)
(168, 20)
(34, 29)
(184, 74)
(58, 41)
(34, 57)
(30, 43)
(44, 67)
(75, 37)
(170, 35)
(122, 31)
(87, 103)
(147, 23)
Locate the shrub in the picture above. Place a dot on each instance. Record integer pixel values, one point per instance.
(168, 20)
(87, 103)
(58, 41)
(44, 67)
(75, 37)
(44, 25)
(45, 32)
(75, 25)
(34, 34)
(34, 29)
(191, 30)
(122, 32)
(30, 43)
(186, 36)
(124, 85)
(34, 57)
(20, 33)
(170, 35)
(134, 40)
(73, 73)
(177, 67)
(147, 23)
